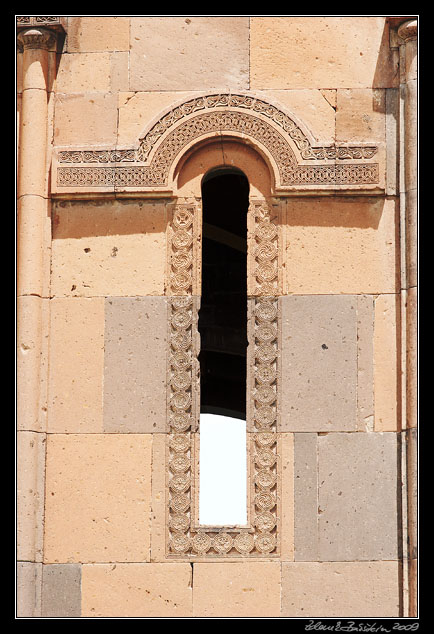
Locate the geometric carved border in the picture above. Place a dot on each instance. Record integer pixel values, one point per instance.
(296, 161)
(185, 537)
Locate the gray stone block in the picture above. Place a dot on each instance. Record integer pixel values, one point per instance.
(61, 590)
(135, 364)
(358, 497)
(319, 363)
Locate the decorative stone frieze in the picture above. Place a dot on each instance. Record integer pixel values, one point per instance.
(293, 158)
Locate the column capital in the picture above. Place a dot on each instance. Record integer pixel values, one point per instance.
(408, 30)
(37, 38)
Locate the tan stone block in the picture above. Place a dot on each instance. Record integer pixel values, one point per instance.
(341, 245)
(137, 590)
(28, 589)
(138, 110)
(119, 71)
(31, 174)
(344, 589)
(135, 367)
(98, 110)
(33, 246)
(357, 498)
(312, 108)
(412, 358)
(98, 33)
(158, 514)
(411, 238)
(177, 53)
(287, 475)
(30, 495)
(319, 363)
(109, 248)
(84, 72)
(321, 52)
(76, 365)
(98, 492)
(32, 362)
(360, 116)
(386, 345)
(392, 141)
(411, 135)
(241, 589)
(61, 592)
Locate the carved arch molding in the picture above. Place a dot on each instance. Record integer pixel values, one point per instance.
(293, 159)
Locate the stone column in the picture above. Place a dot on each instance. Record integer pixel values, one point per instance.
(408, 189)
(33, 248)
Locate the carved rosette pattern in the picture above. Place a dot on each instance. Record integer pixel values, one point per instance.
(264, 247)
(182, 242)
(181, 410)
(184, 537)
(221, 113)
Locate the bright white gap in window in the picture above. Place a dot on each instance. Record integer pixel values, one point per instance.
(223, 471)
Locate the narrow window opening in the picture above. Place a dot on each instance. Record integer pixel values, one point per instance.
(223, 331)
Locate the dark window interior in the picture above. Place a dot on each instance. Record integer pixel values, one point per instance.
(223, 311)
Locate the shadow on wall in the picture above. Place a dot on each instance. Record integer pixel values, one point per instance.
(83, 219)
(350, 212)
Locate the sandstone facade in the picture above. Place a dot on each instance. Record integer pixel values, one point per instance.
(128, 117)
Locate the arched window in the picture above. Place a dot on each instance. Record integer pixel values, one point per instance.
(223, 334)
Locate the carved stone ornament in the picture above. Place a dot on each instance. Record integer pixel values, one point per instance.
(34, 38)
(185, 538)
(294, 160)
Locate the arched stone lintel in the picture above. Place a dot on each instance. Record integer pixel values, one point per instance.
(294, 162)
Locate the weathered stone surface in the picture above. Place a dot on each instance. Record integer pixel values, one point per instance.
(288, 479)
(113, 248)
(312, 109)
(61, 591)
(412, 383)
(88, 34)
(321, 52)
(135, 364)
(137, 590)
(392, 141)
(360, 116)
(32, 362)
(340, 589)
(386, 362)
(365, 366)
(97, 505)
(319, 363)
(236, 589)
(177, 53)
(158, 513)
(29, 581)
(30, 495)
(341, 245)
(357, 499)
(306, 547)
(99, 110)
(84, 72)
(76, 365)
(139, 110)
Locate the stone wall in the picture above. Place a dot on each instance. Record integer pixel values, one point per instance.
(92, 342)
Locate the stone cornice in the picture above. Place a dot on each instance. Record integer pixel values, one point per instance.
(53, 22)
